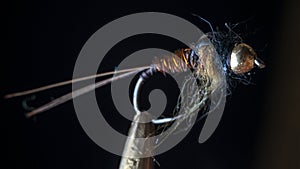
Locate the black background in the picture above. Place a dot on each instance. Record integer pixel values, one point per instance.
(45, 38)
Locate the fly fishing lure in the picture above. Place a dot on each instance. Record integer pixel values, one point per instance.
(213, 59)
(216, 58)
(210, 68)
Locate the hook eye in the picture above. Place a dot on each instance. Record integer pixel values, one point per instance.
(259, 63)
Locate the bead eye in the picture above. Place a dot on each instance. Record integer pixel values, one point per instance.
(243, 59)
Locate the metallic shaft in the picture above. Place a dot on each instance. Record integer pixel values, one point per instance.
(135, 148)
